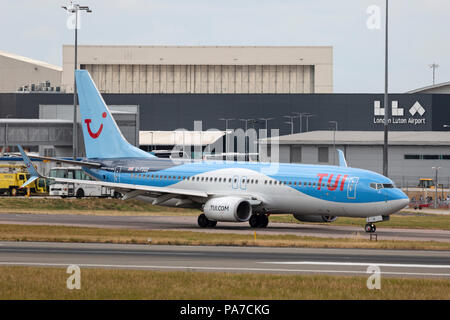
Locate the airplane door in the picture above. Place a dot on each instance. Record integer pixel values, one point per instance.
(351, 187)
(235, 184)
(117, 174)
(243, 183)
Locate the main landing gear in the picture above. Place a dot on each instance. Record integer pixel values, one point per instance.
(204, 222)
(370, 227)
(258, 220)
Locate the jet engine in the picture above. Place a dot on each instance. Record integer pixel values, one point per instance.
(231, 209)
(314, 218)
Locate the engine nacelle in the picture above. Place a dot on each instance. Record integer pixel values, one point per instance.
(314, 218)
(231, 209)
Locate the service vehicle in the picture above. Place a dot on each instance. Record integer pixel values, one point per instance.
(78, 189)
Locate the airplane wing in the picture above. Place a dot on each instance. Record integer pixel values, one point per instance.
(161, 194)
(130, 190)
(72, 162)
(127, 188)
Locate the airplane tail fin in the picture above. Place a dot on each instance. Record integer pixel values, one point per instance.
(102, 137)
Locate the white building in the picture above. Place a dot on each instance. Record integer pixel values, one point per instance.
(17, 71)
(203, 69)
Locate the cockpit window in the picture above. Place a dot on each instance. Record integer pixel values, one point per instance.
(378, 186)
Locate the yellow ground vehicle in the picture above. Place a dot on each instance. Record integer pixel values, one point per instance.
(426, 183)
(12, 177)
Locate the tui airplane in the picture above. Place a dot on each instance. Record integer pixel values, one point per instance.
(224, 190)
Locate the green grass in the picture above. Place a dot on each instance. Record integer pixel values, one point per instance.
(50, 283)
(402, 220)
(98, 206)
(101, 235)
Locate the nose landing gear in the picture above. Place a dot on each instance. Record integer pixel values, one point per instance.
(370, 227)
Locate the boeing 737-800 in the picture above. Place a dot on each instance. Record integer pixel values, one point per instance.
(225, 190)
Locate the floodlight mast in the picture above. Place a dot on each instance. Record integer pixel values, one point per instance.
(73, 9)
(386, 102)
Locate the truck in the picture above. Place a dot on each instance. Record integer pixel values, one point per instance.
(79, 190)
(12, 177)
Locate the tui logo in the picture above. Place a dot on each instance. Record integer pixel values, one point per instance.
(94, 135)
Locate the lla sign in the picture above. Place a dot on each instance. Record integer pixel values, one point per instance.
(402, 115)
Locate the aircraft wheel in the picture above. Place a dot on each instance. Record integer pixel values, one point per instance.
(254, 221)
(370, 227)
(263, 220)
(212, 224)
(203, 221)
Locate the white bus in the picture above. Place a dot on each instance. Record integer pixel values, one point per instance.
(78, 190)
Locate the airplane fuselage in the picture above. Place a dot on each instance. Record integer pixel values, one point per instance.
(282, 188)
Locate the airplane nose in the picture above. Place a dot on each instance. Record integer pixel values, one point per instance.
(404, 202)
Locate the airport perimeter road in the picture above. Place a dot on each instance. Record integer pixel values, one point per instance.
(227, 259)
(189, 223)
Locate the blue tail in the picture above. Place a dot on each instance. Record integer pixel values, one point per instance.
(102, 137)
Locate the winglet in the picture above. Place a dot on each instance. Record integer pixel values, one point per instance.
(342, 162)
(31, 169)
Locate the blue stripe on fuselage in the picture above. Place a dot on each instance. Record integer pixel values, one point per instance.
(339, 178)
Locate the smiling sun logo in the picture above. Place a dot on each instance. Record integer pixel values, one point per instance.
(94, 135)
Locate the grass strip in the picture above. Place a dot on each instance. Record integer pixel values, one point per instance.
(11, 232)
(50, 283)
(117, 207)
(402, 220)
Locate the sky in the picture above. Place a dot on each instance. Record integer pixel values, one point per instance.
(418, 32)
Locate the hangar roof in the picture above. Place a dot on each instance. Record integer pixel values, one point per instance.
(443, 87)
(365, 138)
(28, 60)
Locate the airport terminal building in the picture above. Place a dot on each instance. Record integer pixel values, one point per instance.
(164, 88)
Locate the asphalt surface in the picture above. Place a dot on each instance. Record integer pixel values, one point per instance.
(189, 223)
(392, 263)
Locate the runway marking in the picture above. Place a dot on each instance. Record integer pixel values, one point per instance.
(360, 264)
(213, 268)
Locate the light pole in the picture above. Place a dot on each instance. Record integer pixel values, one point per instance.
(266, 120)
(334, 138)
(436, 169)
(226, 130)
(73, 9)
(291, 122)
(386, 105)
(307, 121)
(300, 115)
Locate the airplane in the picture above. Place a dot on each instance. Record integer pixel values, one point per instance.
(229, 191)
